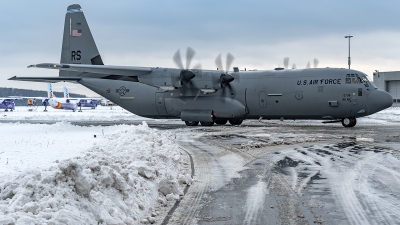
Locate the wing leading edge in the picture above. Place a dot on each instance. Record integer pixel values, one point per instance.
(99, 69)
(47, 79)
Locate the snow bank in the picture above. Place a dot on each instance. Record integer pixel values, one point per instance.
(40, 146)
(101, 113)
(122, 179)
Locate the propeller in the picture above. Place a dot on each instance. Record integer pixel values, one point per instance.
(286, 63)
(186, 75)
(308, 65)
(225, 77)
(316, 62)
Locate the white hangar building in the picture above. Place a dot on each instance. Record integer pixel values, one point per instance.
(390, 82)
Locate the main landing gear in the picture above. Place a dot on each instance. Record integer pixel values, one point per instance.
(216, 121)
(349, 122)
(192, 123)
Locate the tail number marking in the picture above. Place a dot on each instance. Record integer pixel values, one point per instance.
(75, 55)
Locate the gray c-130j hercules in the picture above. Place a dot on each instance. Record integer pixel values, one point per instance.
(213, 96)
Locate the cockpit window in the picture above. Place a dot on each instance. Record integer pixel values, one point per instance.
(357, 79)
(363, 79)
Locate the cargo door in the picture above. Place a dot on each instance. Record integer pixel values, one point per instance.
(256, 102)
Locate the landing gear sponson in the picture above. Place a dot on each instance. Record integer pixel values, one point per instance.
(216, 121)
(346, 122)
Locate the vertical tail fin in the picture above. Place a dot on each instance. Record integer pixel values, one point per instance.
(78, 46)
(50, 93)
(66, 92)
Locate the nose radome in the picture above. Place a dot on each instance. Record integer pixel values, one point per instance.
(379, 100)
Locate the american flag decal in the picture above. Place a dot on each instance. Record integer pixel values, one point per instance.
(76, 33)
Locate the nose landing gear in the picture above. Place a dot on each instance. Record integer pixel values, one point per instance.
(349, 122)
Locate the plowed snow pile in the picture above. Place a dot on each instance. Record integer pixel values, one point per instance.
(120, 180)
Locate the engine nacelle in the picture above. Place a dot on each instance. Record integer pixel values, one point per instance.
(170, 79)
(164, 78)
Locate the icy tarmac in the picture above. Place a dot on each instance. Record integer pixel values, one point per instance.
(268, 172)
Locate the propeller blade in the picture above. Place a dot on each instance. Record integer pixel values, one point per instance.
(197, 67)
(177, 59)
(230, 88)
(316, 62)
(218, 62)
(308, 65)
(189, 56)
(229, 60)
(196, 95)
(294, 66)
(286, 63)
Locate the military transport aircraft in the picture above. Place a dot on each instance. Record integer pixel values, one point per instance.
(213, 96)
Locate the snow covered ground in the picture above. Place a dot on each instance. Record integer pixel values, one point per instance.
(105, 113)
(62, 174)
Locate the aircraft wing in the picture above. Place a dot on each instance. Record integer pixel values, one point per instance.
(23, 97)
(99, 69)
(11, 98)
(47, 79)
(96, 99)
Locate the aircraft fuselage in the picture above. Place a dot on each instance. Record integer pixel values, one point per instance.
(326, 93)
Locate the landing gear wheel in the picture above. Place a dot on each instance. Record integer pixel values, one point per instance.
(349, 122)
(235, 121)
(354, 121)
(221, 121)
(206, 124)
(192, 123)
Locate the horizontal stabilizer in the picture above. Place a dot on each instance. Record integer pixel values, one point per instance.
(99, 69)
(47, 79)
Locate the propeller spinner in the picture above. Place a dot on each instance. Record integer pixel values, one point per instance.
(186, 75)
(225, 77)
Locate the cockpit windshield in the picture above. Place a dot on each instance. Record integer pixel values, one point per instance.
(362, 79)
(358, 79)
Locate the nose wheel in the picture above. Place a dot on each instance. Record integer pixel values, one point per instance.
(349, 122)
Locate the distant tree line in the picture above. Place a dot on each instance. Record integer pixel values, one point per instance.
(5, 92)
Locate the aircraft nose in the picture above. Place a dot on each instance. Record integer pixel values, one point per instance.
(379, 100)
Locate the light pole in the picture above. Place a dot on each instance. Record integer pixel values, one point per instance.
(349, 61)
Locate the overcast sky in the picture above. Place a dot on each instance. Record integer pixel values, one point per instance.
(258, 33)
